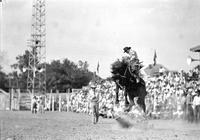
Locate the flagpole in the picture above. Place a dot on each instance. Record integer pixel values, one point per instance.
(154, 58)
(98, 67)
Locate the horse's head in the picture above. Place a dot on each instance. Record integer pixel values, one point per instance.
(121, 73)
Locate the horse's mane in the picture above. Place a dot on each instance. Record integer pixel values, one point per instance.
(118, 68)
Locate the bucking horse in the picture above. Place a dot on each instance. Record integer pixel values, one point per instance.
(125, 80)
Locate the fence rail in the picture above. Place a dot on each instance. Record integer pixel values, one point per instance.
(17, 100)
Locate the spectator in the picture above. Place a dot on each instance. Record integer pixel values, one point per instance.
(196, 103)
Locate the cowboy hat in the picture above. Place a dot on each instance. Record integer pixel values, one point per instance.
(126, 49)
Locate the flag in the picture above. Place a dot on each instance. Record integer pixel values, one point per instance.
(155, 57)
(98, 67)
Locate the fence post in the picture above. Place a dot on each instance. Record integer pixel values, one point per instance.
(19, 97)
(1, 129)
(53, 102)
(31, 102)
(50, 101)
(10, 98)
(45, 101)
(12, 101)
(68, 101)
(60, 105)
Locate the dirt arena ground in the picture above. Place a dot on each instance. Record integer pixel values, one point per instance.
(22, 125)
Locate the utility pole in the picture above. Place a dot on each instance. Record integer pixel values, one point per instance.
(36, 81)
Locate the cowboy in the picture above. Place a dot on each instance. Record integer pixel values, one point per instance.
(189, 109)
(132, 53)
(41, 104)
(134, 63)
(94, 102)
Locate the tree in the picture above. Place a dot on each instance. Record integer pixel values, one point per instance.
(59, 75)
(21, 76)
(3, 80)
(22, 61)
(66, 74)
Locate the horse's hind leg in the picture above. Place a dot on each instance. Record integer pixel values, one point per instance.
(97, 113)
(141, 102)
(117, 95)
(129, 104)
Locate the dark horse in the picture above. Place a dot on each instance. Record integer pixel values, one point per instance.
(125, 80)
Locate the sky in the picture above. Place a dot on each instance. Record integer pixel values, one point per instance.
(98, 30)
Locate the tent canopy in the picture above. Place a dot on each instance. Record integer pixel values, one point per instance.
(153, 70)
(195, 49)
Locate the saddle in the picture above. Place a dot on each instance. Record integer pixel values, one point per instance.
(135, 65)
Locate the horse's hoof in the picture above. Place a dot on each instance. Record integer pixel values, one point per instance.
(117, 102)
(126, 104)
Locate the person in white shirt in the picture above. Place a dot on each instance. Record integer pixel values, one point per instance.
(41, 104)
(196, 104)
(132, 53)
(94, 101)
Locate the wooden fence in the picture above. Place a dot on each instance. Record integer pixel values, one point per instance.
(23, 100)
(4, 100)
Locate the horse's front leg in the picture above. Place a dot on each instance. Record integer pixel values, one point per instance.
(126, 99)
(129, 104)
(141, 102)
(117, 95)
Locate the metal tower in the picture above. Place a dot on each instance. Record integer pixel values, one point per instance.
(36, 81)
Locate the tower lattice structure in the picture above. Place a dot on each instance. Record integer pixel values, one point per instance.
(36, 81)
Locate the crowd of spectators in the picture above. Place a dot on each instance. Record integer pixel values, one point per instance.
(80, 101)
(167, 96)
